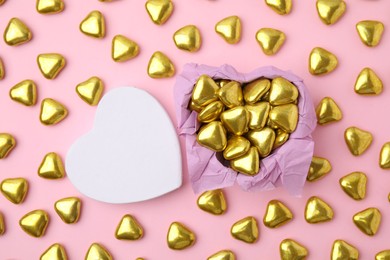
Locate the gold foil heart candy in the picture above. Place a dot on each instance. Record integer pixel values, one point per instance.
(7, 144)
(213, 202)
(211, 112)
(341, 250)
(24, 92)
(160, 66)
(330, 11)
(179, 236)
(236, 147)
(49, 6)
(213, 136)
(282, 92)
(317, 211)
(14, 189)
(222, 255)
(263, 140)
(370, 32)
(357, 140)
(222, 82)
(52, 112)
(194, 107)
(354, 185)
(281, 7)
(35, 223)
(322, 61)
(246, 230)
(384, 159)
(292, 250)
(159, 10)
(205, 91)
(2, 70)
(248, 164)
(277, 214)
(68, 209)
(255, 90)
(16, 33)
(368, 221)
(270, 40)
(2, 225)
(188, 38)
(383, 255)
(123, 49)
(50, 64)
(319, 167)
(280, 139)
(94, 25)
(285, 117)
(229, 29)
(129, 229)
(368, 83)
(54, 252)
(231, 94)
(90, 90)
(328, 111)
(258, 114)
(236, 120)
(98, 251)
(51, 167)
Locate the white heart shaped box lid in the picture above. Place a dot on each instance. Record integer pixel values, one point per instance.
(131, 154)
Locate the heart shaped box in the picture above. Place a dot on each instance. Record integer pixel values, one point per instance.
(286, 166)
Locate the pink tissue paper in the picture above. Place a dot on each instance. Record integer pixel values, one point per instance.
(286, 166)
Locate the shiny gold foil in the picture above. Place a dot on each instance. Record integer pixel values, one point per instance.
(51, 64)
(354, 185)
(211, 112)
(213, 202)
(319, 168)
(357, 140)
(51, 167)
(258, 114)
(383, 255)
(213, 136)
(255, 90)
(188, 38)
(205, 91)
(68, 209)
(222, 82)
(222, 255)
(317, 211)
(159, 10)
(322, 62)
(52, 112)
(231, 94)
(16, 32)
(370, 32)
(160, 66)
(2, 70)
(2, 225)
(341, 250)
(330, 11)
(285, 117)
(123, 49)
(292, 250)
(179, 236)
(14, 189)
(98, 251)
(368, 83)
(90, 90)
(270, 40)
(50, 6)
(281, 7)
(94, 25)
(277, 214)
(282, 92)
(7, 144)
(328, 111)
(263, 140)
(368, 220)
(384, 160)
(194, 107)
(280, 139)
(129, 229)
(236, 120)
(35, 223)
(237, 146)
(248, 164)
(24, 92)
(54, 252)
(229, 29)
(246, 230)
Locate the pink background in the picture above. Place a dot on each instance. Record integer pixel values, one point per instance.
(87, 57)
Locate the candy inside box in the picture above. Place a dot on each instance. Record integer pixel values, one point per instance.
(253, 129)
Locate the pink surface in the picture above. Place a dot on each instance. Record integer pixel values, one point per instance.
(87, 57)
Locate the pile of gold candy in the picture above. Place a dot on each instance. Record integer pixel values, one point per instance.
(245, 122)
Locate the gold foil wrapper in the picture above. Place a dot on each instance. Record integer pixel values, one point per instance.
(180, 237)
(246, 230)
(213, 202)
(14, 189)
(129, 229)
(229, 29)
